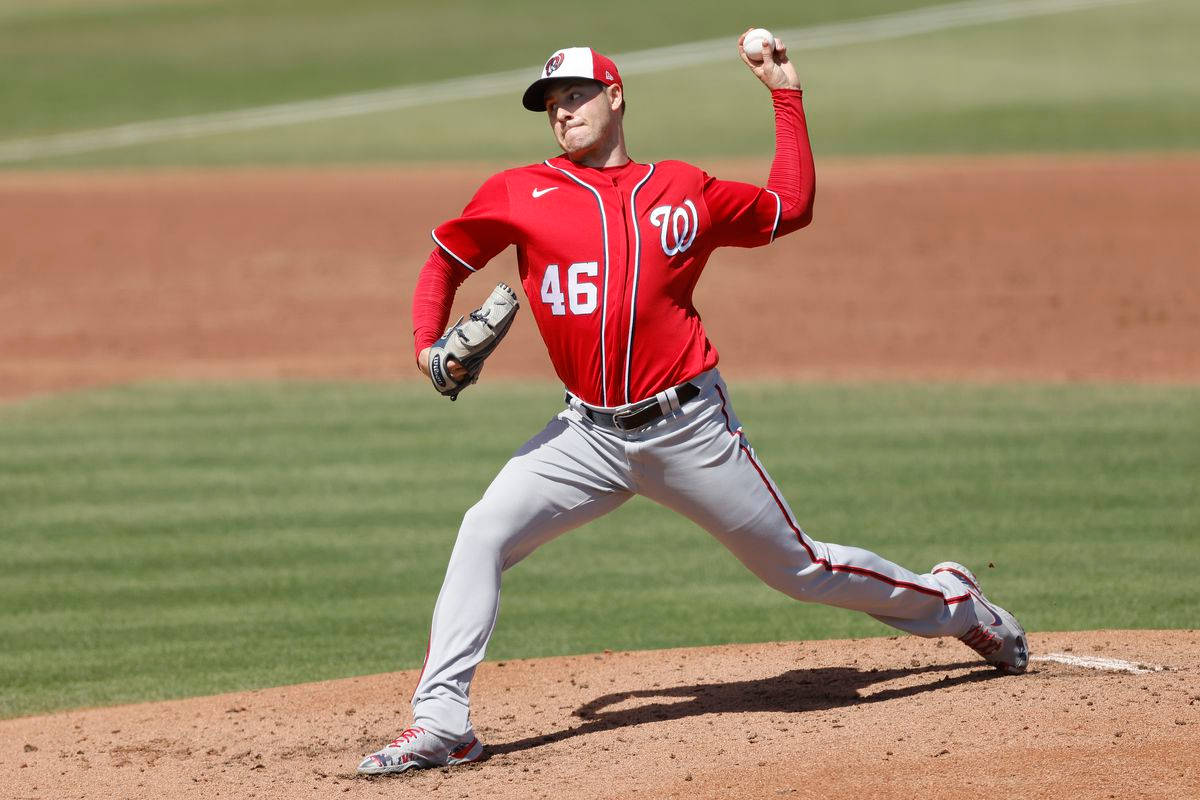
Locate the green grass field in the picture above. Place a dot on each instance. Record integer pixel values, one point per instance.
(1108, 78)
(73, 64)
(166, 540)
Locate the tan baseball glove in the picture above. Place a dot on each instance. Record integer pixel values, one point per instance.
(471, 340)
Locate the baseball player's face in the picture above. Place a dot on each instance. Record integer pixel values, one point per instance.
(583, 116)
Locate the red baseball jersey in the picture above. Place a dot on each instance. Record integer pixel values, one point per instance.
(609, 257)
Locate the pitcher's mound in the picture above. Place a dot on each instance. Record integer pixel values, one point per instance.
(1101, 714)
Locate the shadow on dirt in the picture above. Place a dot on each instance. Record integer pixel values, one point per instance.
(795, 691)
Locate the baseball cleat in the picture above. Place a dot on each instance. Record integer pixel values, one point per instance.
(417, 748)
(997, 636)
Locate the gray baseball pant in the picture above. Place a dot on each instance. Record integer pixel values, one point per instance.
(696, 461)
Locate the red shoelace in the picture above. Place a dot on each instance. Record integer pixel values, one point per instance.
(408, 735)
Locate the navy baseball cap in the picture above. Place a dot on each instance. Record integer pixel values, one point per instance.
(571, 62)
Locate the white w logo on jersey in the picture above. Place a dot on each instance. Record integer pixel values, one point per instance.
(681, 225)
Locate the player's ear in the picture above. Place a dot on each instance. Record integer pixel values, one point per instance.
(616, 97)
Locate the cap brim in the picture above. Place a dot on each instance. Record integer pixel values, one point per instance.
(535, 96)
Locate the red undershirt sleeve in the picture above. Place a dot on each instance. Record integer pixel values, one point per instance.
(436, 286)
(793, 176)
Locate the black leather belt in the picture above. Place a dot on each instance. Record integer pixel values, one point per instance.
(641, 414)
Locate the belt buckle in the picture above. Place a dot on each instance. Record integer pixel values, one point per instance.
(620, 417)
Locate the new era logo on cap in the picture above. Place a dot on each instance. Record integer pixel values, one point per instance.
(570, 62)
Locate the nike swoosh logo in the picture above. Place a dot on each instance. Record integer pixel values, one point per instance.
(540, 192)
(996, 617)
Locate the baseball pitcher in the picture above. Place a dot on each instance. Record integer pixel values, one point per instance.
(609, 250)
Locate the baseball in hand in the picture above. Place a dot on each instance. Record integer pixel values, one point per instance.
(753, 43)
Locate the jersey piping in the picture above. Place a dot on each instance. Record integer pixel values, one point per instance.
(637, 265)
(451, 252)
(778, 214)
(604, 304)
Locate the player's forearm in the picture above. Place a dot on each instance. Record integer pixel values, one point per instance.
(434, 295)
(792, 177)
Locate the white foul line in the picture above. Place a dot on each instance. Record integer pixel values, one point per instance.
(1096, 662)
(871, 29)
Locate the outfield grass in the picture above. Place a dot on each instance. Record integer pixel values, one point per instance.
(70, 64)
(1108, 78)
(164, 540)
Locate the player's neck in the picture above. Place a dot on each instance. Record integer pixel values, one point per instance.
(611, 154)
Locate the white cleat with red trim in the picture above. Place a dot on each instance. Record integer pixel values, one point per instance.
(997, 636)
(417, 748)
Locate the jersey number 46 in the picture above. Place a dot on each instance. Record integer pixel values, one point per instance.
(580, 295)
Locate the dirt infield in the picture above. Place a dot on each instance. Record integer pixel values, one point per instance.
(875, 718)
(1009, 268)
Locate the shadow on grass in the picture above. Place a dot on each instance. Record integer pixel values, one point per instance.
(795, 691)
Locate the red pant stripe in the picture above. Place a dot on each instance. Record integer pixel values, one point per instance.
(803, 540)
(424, 664)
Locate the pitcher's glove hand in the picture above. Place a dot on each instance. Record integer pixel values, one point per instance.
(471, 340)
